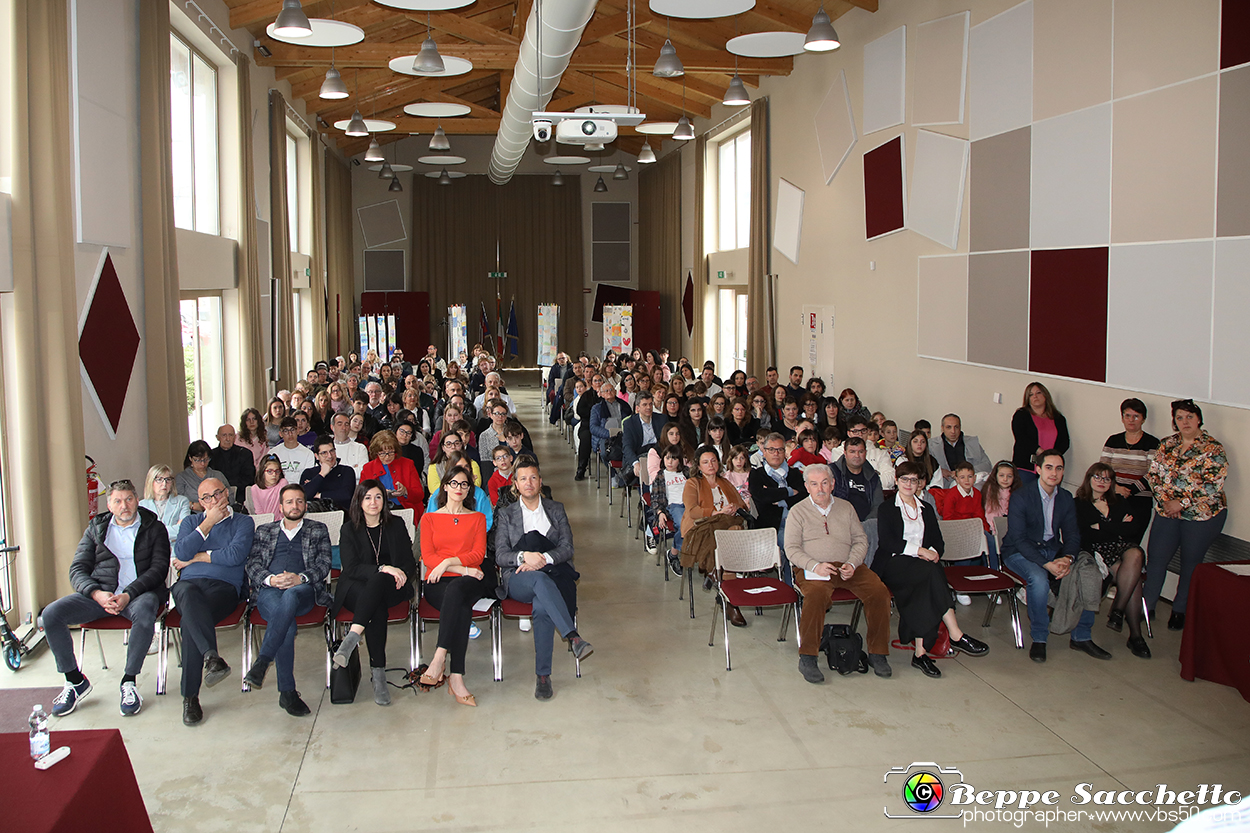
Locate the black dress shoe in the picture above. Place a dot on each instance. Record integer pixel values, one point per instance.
(708, 583)
(1037, 652)
(581, 475)
(735, 617)
(971, 646)
(255, 676)
(290, 700)
(1138, 646)
(542, 690)
(1176, 622)
(927, 665)
(192, 714)
(1115, 620)
(215, 670)
(1088, 647)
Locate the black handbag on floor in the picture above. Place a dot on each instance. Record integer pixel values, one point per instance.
(844, 650)
(345, 681)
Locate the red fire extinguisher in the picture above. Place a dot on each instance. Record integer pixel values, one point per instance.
(93, 489)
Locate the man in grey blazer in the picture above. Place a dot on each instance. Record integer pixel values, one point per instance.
(954, 447)
(287, 569)
(534, 550)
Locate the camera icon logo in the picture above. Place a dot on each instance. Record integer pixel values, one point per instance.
(922, 787)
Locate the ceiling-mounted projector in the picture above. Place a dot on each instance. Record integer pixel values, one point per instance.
(594, 125)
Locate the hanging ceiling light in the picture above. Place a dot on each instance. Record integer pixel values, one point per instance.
(646, 156)
(356, 127)
(601, 186)
(444, 178)
(684, 131)
(386, 172)
(736, 95)
(395, 186)
(821, 37)
(428, 59)
(620, 172)
(292, 22)
(558, 179)
(333, 87)
(439, 141)
(374, 153)
(668, 65)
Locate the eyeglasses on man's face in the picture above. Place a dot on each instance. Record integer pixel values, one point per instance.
(214, 496)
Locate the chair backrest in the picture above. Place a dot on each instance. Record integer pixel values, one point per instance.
(247, 500)
(964, 539)
(333, 522)
(1000, 531)
(747, 550)
(409, 521)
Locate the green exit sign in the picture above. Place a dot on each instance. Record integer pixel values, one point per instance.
(720, 276)
(497, 274)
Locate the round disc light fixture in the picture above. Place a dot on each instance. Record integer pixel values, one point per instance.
(767, 44)
(452, 64)
(324, 32)
(700, 9)
(450, 174)
(368, 125)
(425, 5)
(437, 109)
(566, 160)
(657, 128)
(391, 170)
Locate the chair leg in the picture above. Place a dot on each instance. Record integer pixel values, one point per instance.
(855, 614)
(690, 581)
(1145, 615)
(724, 612)
(162, 655)
(798, 634)
(100, 644)
(992, 600)
(248, 631)
(414, 644)
(712, 633)
(1016, 630)
(781, 636)
(496, 641)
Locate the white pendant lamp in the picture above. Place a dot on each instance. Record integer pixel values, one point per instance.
(736, 95)
(356, 127)
(386, 172)
(292, 22)
(646, 156)
(620, 172)
(668, 65)
(684, 131)
(439, 141)
(333, 87)
(558, 179)
(444, 178)
(821, 37)
(374, 153)
(601, 186)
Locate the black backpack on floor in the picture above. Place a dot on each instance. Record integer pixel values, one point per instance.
(844, 650)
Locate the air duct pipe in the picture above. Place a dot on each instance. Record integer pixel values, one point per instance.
(561, 29)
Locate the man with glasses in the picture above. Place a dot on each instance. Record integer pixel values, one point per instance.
(775, 487)
(493, 390)
(294, 456)
(287, 568)
(210, 553)
(328, 480)
(118, 569)
(350, 453)
(585, 403)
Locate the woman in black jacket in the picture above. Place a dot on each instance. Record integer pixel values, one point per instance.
(378, 573)
(908, 551)
(1037, 426)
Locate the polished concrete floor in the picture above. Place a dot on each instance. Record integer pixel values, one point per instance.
(656, 735)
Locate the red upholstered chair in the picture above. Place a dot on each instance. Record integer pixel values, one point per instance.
(400, 613)
(512, 609)
(110, 623)
(173, 626)
(427, 612)
(251, 640)
(743, 552)
(965, 541)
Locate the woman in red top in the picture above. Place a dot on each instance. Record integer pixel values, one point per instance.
(396, 473)
(453, 546)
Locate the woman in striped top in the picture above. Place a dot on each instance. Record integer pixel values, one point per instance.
(1128, 453)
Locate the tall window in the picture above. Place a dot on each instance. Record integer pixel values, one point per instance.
(204, 364)
(292, 191)
(193, 93)
(731, 331)
(733, 191)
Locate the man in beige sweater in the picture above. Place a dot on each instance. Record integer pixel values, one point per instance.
(826, 544)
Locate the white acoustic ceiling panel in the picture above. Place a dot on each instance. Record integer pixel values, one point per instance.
(937, 187)
(1000, 72)
(885, 80)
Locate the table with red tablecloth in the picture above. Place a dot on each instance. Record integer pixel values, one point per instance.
(92, 789)
(1217, 619)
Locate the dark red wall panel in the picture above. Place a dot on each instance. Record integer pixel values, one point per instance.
(883, 188)
(1068, 313)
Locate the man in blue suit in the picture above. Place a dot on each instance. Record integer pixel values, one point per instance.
(642, 431)
(1043, 538)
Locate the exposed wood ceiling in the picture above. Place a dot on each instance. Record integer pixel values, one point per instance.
(489, 32)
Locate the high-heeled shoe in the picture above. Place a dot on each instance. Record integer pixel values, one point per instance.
(466, 700)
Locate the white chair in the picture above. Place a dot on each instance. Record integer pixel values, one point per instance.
(247, 500)
(750, 551)
(964, 539)
(409, 521)
(333, 522)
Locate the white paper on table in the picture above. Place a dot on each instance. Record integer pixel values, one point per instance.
(1238, 569)
(979, 578)
(483, 605)
(757, 590)
(810, 576)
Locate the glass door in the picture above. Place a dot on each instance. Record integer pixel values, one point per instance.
(203, 363)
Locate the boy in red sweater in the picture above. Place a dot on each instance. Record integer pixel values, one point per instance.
(963, 500)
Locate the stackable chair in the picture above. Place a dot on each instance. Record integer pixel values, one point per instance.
(113, 623)
(965, 541)
(750, 551)
(172, 626)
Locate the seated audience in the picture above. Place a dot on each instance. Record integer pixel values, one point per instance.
(267, 493)
(274, 414)
(606, 418)
(917, 452)
(738, 473)
(252, 435)
(955, 447)
(807, 452)
(718, 437)
(329, 482)
(160, 499)
(863, 489)
(996, 498)
(889, 441)
(294, 455)
(410, 440)
(350, 453)
(825, 542)
(396, 474)
(288, 571)
(641, 432)
(502, 459)
(378, 573)
(210, 552)
(438, 464)
(119, 569)
(196, 470)
(232, 460)
(762, 410)
(711, 502)
(741, 423)
(907, 558)
(849, 406)
(534, 551)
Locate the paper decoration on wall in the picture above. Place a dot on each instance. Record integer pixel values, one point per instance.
(835, 127)
(885, 205)
(548, 334)
(457, 330)
(935, 203)
(885, 80)
(687, 304)
(618, 327)
(788, 225)
(108, 343)
(941, 70)
(1000, 72)
(1068, 295)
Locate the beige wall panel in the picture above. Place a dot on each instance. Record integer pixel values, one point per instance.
(941, 67)
(1071, 64)
(998, 309)
(1160, 42)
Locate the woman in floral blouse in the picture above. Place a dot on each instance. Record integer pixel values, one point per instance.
(1186, 473)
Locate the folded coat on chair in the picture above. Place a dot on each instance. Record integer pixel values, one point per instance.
(698, 546)
(1080, 590)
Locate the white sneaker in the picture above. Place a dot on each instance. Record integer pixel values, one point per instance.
(963, 599)
(1022, 596)
(131, 701)
(474, 631)
(155, 646)
(526, 625)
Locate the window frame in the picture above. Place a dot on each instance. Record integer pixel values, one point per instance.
(741, 202)
(194, 53)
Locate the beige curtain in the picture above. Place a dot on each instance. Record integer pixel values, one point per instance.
(166, 377)
(252, 379)
(659, 244)
(700, 258)
(317, 276)
(341, 291)
(285, 362)
(46, 435)
(761, 343)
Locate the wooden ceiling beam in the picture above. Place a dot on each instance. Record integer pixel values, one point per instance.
(469, 29)
(416, 89)
(521, 17)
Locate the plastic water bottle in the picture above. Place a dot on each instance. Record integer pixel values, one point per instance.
(40, 738)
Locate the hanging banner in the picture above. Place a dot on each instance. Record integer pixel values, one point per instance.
(548, 334)
(457, 330)
(618, 328)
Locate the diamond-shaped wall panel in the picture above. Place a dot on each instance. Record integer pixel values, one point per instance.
(108, 343)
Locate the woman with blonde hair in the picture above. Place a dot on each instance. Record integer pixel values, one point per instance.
(160, 497)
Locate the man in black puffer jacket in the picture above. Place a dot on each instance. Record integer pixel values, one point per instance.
(119, 570)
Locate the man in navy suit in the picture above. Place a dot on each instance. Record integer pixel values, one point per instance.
(642, 431)
(1043, 538)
